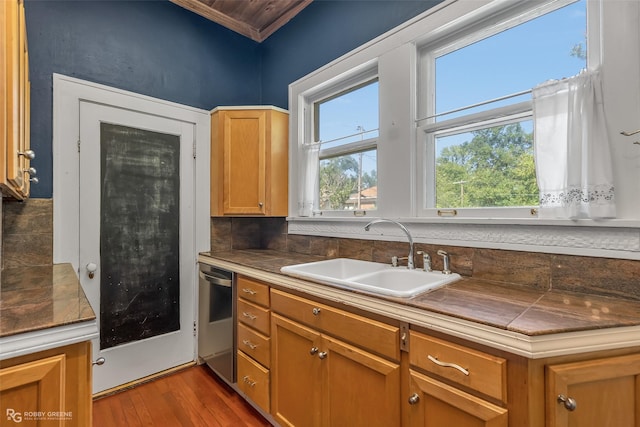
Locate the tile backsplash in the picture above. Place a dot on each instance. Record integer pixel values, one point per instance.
(27, 233)
(27, 240)
(602, 276)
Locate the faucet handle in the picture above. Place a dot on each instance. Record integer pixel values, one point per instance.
(395, 260)
(426, 260)
(445, 261)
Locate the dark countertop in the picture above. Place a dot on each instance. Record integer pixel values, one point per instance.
(41, 297)
(516, 308)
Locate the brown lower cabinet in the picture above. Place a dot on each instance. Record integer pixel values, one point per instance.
(318, 380)
(601, 392)
(51, 387)
(253, 338)
(434, 403)
(330, 366)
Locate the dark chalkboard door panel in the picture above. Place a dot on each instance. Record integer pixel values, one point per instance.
(139, 234)
(135, 213)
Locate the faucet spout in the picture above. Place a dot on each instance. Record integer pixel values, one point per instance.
(410, 263)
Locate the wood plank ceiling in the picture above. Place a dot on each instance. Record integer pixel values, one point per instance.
(256, 19)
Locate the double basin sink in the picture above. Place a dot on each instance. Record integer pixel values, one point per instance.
(372, 277)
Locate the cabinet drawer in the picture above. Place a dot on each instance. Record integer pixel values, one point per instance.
(253, 380)
(254, 316)
(252, 290)
(254, 344)
(484, 372)
(369, 334)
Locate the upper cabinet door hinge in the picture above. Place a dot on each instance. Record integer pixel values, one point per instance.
(78, 145)
(194, 149)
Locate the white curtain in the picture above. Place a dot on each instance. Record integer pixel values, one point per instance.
(572, 154)
(308, 179)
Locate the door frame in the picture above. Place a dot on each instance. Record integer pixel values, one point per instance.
(68, 92)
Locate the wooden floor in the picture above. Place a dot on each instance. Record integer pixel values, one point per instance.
(191, 397)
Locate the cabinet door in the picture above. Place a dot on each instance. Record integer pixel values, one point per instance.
(12, 78)
(15, 100)
(40, 383)
(359, 389)
(435, 404)
(59, 380)
(598, 393)
(295, 373)
(245, 142)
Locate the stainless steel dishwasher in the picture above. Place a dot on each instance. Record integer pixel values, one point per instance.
(217, 321)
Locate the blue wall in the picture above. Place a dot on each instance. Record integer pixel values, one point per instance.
(324, 31)
(156, 48)
(150, 47)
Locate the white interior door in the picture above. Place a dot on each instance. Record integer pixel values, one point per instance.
(136, 247)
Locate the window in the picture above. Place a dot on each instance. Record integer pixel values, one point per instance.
(476, 107)
(426, 68)
(345, 127)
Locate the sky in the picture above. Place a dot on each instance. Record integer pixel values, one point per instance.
(508, 62)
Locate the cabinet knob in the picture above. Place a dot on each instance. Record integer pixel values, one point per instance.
(414, 398)
(29, 154)
(99, 361)
(322, 355)
(570, 403)
(313, 350)
(31, 171)
(260, 204)
(315, 311)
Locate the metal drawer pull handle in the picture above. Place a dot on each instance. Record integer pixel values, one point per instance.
(249, 315)
(99, 361)
(248, 380)
(448, 365)
(249, 291)
(249, 344)
(570, 403)
(315, 311)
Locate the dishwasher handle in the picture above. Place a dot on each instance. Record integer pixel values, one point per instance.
(216, 280)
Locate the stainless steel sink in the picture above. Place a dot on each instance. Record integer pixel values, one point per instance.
(373, 277)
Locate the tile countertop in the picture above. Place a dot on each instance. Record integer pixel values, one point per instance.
(42, 307)
(523, 320)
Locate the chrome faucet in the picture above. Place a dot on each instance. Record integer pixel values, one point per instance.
(410, 264)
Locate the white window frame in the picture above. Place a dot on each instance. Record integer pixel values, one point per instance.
(395, 54)
(429, 129)
(344, 83)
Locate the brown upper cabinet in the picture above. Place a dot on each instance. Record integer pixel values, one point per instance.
(249, 161)
(15, 153)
